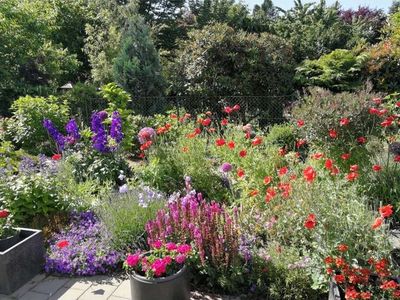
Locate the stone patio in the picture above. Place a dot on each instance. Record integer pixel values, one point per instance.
(44, 287)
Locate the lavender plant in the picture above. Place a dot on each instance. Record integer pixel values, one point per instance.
(126, 213)
(84, 248)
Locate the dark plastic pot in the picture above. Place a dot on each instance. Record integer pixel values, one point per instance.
(174, 287)
(9, 242)
(21, 259)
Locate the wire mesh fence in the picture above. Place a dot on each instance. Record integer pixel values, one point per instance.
(263, 110)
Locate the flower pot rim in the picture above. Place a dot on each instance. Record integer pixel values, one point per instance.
(20, 230)
(144, 279)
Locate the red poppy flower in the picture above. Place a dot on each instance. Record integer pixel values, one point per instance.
(377, 223)
(271, 193)
(389, 285)
(220, 142)
(354, 168)
(309, 174)
(206, 122)
(328, 260)
(4, 213)
(386, 211)
(335, 170)
(344, 122)
(397, 158)
(317, 155)
(141, 155)
(253, 193)
(161, 130)
(243, 153)
(146, 146)
(168, 126)
(197, 130)
(377, 101)
(185, 149)
(351, 293)
(173, 116)
(310, 222)
(62, 244)
(236, 107)
(361, 140)
(345, 156)
(333, 133)
(329, 164)
(339, 278)
(329, 271)
(286, 188)
(267, 180)
(397, 104)
(343, 248)
(240, 172)
(340, 262)
(300, 143)
(56, 156)
(224, 122)
(256, 141)
(300, 123)
(282, 151)
(282, 171)
(231, 145)
(352, 176)
(387, 122)
(373, 111)
(376, 168)
(228, 109)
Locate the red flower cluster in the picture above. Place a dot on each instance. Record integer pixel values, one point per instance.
(310, 222)
(4, 213)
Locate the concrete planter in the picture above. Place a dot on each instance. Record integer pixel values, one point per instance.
(174, 287)
(21, 260)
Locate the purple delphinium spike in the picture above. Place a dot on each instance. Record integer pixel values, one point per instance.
(116, 127)
(72, 131)
(55, 134)
(99, 139)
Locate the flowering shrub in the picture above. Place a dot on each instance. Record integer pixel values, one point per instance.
(162, 260)
(84, 248)
(224, 255)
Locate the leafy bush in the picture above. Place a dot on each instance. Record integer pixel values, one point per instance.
(25, 127)
(282, 135)
(338, 71)
(126, 214)
(322, 112)
(218, 60)
(83, 248)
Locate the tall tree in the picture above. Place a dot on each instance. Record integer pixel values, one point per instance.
(137, 66)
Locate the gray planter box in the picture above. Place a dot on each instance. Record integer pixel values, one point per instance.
(174, 287)
(22, 261)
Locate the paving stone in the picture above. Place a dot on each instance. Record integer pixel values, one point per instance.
(50, 285)
(123, 290)
(99, 291)
(5, 297)
(34, 296)
(28, 286)
(118, 298)
(67, 294)
(79, 283)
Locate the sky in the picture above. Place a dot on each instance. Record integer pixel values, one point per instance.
(286, 4)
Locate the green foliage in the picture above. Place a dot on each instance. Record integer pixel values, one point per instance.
(137, 67)
(282, 135)
(339, 70)
(218, 61)
(25, 128)
(32, 62)
(313, 29)
(125, 215)
(119, 100)
(82, 100)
